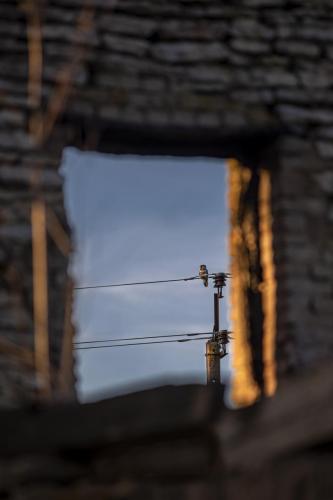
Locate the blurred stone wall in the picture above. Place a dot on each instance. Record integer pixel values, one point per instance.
(178, 443)
(253, 65)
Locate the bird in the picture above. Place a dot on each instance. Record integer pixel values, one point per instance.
(203, 274)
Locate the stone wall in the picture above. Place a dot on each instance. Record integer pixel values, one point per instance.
(302, 209)
(225, 70)
(180, 442)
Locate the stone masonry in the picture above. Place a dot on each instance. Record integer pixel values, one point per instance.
(182, 68)
(180, 442)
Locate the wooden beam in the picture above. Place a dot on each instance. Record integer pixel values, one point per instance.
(40, 297)
(58, 233)
(66, 383)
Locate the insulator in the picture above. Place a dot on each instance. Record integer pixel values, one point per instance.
(219, 283)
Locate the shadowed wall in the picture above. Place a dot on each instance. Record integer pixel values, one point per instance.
(251, 80)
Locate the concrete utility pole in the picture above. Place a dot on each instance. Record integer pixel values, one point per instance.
(213, 353)
(213, 349)
(219, 339)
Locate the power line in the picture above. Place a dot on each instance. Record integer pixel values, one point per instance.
(142, 338)
(140, 343)
(112, 285)
(269, 364)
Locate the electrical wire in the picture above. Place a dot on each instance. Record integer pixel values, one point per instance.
(112, 285)
(237, 366)
(139, 343)
(145, 337)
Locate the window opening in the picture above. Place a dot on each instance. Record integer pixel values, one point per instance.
(138, 218)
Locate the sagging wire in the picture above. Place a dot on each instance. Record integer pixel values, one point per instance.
(191, 334)
(140, 343)
(112, 285)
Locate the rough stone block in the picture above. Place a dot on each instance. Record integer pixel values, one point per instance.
(298, 48)
(330, 214)
(250, 46)
(15, 140)
(315, 206)
(263, 3)
(329, 50)
(14, 118)
(316, 78)
(157, 117)
(211, 74)
(253, 96)
(251, 28)
(18, 232)
(70, 34)
(301, 114)
(24, 175)
(133, 46)
(274, 77)
(189, 52)
(325, 149)
(61, 15)
(324, 132)
(320, 30)
(318, 96)
(325, 181)
(127, 25)
(208, 120)
(185, 29)
(296, 223)
(31, 469)
(294, 146)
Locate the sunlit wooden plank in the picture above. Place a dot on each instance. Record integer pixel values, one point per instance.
(269, 282)
(40, 297)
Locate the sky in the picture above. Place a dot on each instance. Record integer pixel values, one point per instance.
(138, 218)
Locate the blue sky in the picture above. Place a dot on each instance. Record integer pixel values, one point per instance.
(136, 219)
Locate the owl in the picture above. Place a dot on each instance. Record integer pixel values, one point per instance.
(203, 274)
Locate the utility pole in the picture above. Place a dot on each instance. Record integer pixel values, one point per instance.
(213, 349)
(219, 338)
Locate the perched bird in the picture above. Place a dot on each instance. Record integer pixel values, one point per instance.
(203, 274)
